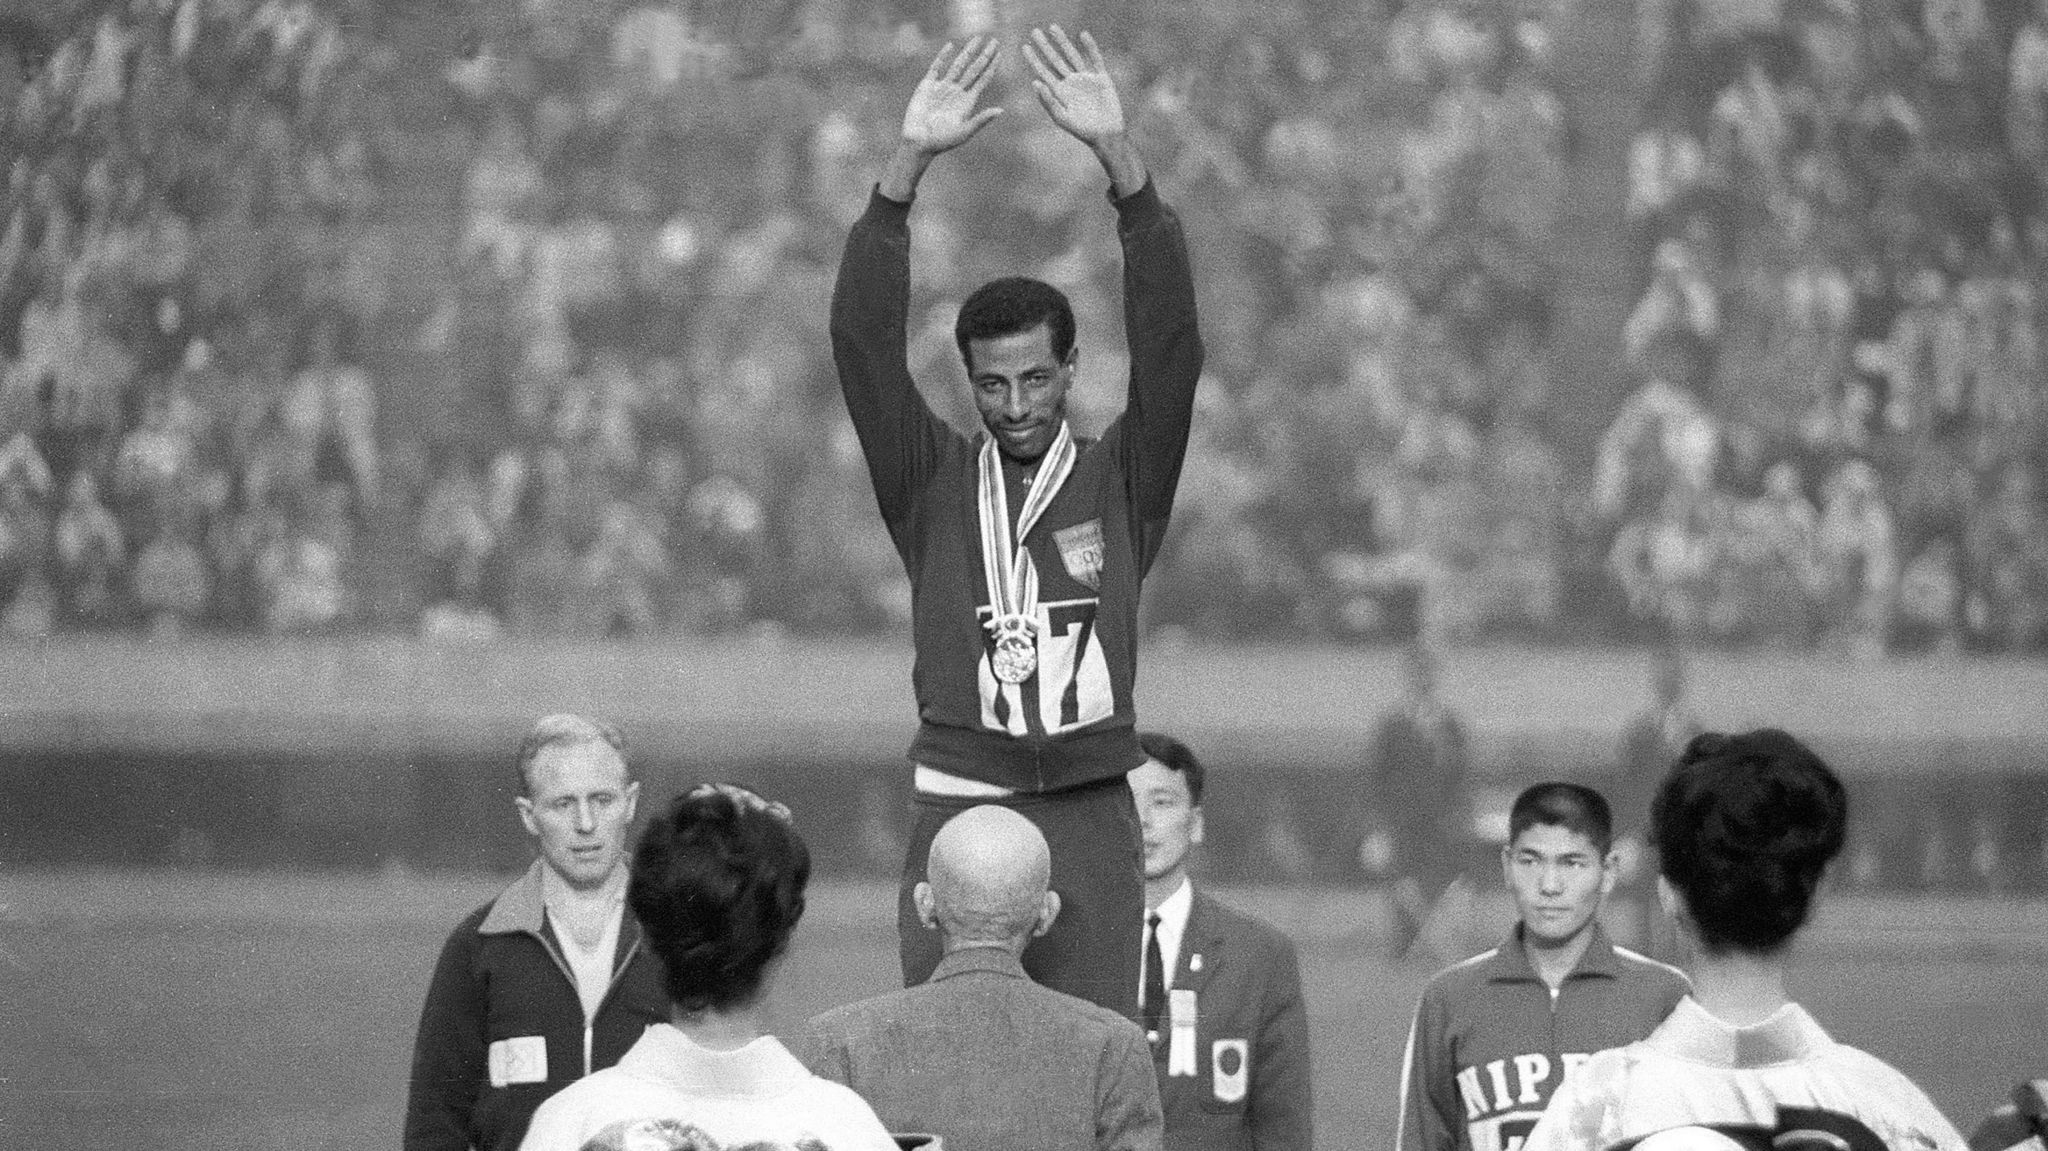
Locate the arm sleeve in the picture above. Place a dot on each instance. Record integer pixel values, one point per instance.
(898, 431)
(1282, 1114)
(555, 1127)
(1429, 1090)
(448, 1059)
(1166, 359)
(1127, 1111)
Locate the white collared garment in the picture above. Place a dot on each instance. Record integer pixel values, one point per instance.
(1697, 1070)
(1173, 923)
(754, 1095)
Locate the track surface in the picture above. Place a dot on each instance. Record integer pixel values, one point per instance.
(186, 1011)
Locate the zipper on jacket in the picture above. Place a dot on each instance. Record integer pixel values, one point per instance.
(618, 975)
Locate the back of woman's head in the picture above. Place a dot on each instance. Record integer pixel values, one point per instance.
(718, 886)
(1745, 826)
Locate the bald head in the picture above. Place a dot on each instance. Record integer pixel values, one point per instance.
(986, 880)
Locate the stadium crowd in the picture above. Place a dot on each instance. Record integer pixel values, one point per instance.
(328, 317)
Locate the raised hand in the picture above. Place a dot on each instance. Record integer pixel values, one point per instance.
(941, 115)
(1074, 85)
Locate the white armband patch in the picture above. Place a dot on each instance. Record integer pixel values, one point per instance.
(521, 1059)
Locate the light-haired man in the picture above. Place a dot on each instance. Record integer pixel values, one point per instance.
(549, 981)
(1220, 992)
(980, 1055)
(1496, 1034)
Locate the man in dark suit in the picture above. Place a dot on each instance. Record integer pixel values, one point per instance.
(1229, 1033)
(979, 1054)
(1417, 825)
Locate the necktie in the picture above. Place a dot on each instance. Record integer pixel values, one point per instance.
(1155, 978)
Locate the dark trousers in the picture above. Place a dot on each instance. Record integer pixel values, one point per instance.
(1098, 861)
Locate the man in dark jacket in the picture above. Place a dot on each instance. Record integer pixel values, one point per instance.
(549, 981)
(1220, 991)
(1417, 822)
(1026, 544)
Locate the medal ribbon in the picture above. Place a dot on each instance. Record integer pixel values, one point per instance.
(1006, 567)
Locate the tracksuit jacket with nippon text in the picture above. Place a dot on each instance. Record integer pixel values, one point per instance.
(1071, 722)
(503, 1027)
(1491, 1042)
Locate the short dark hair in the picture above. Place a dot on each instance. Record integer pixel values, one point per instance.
(565, 729)
(1572, 806)
(718, 886)
(1011, 305)
(1176, 757)
(1745, 825)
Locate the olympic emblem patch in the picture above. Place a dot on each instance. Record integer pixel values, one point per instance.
(1081, 551)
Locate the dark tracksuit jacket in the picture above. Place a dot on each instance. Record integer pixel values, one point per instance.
(1491, 1041)
(503, 1028)
(1072, 722)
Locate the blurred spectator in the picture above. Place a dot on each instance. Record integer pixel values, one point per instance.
(1775, 540)
(1521, 572)
(171, 581)
(1667, 563)
(1931, 600)
(300, 580)
(457, 532)
(21, 465)
(2007, 546)
(330, 411)
(1679, 298)
(153, 463)
(25, 536)
(1665, 164)
(90, 553)
(619, 580)
(1661, 438)
(1858, 563)
(1747, 128)
(2026, 124)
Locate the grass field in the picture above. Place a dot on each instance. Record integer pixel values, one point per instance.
(182, 1011)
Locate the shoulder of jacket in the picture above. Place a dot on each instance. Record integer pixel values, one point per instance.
(1637, 961)
(1461, 978)
(1243, 925)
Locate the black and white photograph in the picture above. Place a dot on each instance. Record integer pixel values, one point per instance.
(1024, 575)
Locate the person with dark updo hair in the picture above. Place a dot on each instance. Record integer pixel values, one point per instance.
(1745, 826)
(717, 884)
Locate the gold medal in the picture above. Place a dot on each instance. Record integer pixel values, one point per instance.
(1015, 655)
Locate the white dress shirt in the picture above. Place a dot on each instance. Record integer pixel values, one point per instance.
(1173, 923)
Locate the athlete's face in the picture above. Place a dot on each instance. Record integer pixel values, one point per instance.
(1020, 388)
(1558, 877)
(578, 807)
(1168, 816)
